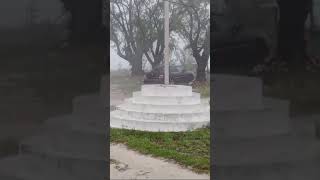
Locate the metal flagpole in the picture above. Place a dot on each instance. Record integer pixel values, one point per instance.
(166, 42)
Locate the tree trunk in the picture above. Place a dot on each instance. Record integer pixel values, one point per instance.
(136, 65)
(201, 71)
(156, 62)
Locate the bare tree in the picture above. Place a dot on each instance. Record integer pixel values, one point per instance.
(195, 28)
(130, 30)
(155, 52)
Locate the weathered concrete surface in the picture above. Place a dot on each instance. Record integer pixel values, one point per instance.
(145, 111)
(128, 164)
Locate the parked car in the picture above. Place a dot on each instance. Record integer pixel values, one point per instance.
(177, 75)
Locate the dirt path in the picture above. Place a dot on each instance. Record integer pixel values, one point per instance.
(128, 164)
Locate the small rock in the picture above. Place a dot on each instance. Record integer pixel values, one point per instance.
(121, 167)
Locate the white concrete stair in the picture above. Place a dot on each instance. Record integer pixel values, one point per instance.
(157, 126)
(166, 90)
(162, 108)
(165, 117)
(129, 105)
(138, 98)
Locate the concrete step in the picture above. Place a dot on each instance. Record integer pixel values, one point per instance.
(169, 117)
(67, 145)
(155, 126)
(165, 90)
(30, 167)
(130, 106)
(164, 100)
(264, 151)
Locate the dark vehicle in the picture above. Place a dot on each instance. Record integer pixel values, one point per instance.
(177, 75)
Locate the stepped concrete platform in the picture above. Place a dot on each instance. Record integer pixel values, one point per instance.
(162, 108)
(138, 98)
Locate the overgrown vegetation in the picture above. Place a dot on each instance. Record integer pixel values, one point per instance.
(203, 88)
(189, 149)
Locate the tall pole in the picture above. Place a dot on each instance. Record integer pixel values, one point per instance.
(166, 42)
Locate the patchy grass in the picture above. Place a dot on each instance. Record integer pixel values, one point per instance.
(203, 89)
(189, 149)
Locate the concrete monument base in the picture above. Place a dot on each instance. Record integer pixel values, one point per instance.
(168, 108)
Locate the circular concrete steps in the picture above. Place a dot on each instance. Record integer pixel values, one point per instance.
(169, 100)
(165, 117)
(162, 108)
(157, 126)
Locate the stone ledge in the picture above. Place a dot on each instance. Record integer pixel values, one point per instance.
(166, 90)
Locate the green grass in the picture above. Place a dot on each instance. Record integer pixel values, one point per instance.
(203, 89)
(189, 149)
